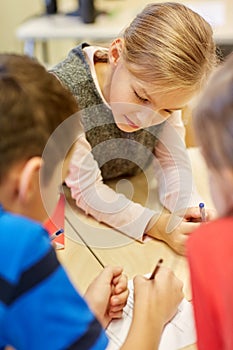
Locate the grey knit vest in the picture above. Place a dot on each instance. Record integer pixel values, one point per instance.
(118, 153)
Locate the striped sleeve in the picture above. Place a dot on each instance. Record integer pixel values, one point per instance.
(39, 307)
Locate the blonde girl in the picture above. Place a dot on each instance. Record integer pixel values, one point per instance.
(131, 96)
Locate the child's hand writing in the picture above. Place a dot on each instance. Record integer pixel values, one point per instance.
(107, 294)
(162, 295)
(193, 214)
(173, 230)
(155, 303)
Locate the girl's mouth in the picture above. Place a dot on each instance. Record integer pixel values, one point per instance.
(130, 123)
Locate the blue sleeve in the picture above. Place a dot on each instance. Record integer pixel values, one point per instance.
(42, 309)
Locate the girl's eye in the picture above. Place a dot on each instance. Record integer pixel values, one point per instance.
(140, 98)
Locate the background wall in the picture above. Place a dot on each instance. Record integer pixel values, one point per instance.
(14, 12)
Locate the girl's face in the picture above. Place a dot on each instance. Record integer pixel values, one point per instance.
(135, 105)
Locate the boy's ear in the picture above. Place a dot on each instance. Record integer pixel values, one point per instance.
(29, 179)
(115, 50)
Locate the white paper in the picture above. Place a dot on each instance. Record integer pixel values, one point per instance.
(178, 333)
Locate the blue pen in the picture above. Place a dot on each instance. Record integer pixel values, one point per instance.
(202, 212)
(56, 234)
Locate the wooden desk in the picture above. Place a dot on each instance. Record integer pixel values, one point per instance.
(135, 257)
(107, 27)
(113, 248)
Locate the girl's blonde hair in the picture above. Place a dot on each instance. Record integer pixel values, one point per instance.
(169, 44)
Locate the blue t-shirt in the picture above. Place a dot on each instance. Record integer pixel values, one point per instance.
(39, 307)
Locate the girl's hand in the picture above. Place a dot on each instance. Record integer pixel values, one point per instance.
(173, 230)
(193, 214)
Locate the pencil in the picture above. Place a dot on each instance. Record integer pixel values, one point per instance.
(86, 244)
(156, 269)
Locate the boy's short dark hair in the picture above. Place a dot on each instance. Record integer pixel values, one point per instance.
(33, 103)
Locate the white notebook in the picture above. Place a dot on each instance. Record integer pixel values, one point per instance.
(178, 333)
